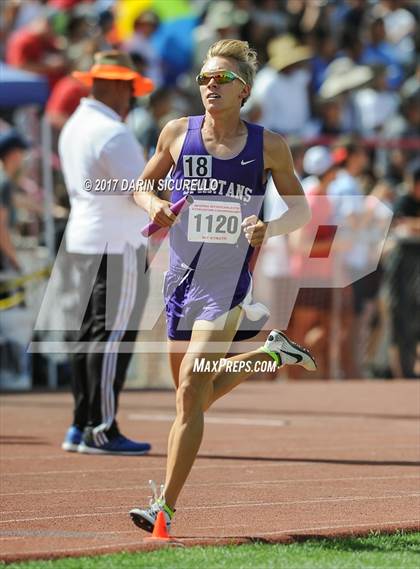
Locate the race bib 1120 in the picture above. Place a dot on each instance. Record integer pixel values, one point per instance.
(214, 222)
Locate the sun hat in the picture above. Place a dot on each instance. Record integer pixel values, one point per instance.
(342, 75)
(115, 65)
(284, 51)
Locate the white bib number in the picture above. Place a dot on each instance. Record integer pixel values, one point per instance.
(214, 222)
(197, 166)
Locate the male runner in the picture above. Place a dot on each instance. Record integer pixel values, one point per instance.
(223, 162)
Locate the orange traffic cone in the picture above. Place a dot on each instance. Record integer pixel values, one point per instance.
(160, 531)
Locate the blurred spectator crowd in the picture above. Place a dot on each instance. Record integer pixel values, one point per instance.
(340, 77)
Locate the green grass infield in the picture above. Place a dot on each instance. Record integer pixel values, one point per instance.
(376, 551)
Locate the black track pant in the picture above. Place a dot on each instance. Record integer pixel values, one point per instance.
(115, 295)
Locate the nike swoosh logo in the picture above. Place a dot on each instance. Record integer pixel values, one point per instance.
(245, 162)
(297, 357)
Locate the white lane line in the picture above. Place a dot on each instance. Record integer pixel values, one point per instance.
(317, 528)
(311, 482)
(340, 526)
(223, 505)
(293, 502)
(18, 534)
(62, 455)
(268, 463)
(216, 419)
(342, 447)
(83, 471)
(19, 511)
(71, 516)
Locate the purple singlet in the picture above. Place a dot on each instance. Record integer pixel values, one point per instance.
(209, 254)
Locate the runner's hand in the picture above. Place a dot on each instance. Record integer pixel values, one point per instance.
(160, 213)
(254, 230)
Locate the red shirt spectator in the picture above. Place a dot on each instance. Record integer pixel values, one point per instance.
(34, 48)
(64, 100)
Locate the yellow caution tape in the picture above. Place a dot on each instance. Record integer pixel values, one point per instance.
(12, 301)
(19, 281)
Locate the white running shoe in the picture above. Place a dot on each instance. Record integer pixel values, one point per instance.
(145, 519)
(288, 352)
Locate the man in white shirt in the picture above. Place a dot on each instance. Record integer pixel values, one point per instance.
(100, 157)
(281, 88)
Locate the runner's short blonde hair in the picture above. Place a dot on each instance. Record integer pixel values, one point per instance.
(239, 51)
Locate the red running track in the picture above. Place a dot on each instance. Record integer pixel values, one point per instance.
(279, 461)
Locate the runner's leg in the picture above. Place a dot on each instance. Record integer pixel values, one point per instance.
(195, 394)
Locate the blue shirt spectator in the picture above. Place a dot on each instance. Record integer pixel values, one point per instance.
(379, 51)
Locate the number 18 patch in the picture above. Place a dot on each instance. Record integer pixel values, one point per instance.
(197, 166)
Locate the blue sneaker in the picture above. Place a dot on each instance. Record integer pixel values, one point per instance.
(118, 445)
(72, 439)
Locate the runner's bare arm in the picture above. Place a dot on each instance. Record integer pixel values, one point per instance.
(278, 159)
(166, 155)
